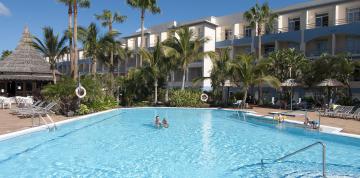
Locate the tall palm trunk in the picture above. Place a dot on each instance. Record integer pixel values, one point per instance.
(222, 93)
(245, 96)
(259, 30)
(118, 68)
(167, 88)
(75, 76)
(183, 80)
(93, 66)
(111, 69)
(111, 54)
(53, 71)
(142, 32)
(70, 40)
(259, 57)
(156, 91)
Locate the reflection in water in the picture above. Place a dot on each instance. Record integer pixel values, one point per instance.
(207, 155)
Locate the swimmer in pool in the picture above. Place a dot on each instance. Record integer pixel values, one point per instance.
(165, 123)
(157, 122)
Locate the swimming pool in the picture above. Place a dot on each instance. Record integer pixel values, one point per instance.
(199, 143)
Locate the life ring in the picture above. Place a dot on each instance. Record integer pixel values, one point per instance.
(204, 97)
(78, 92)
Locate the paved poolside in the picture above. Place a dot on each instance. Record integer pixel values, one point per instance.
(348, 125)
(11, 123)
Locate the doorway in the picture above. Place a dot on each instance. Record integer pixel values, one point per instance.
(11, 89)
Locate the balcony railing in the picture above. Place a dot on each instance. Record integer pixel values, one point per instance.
(318, 52)
(348, 51)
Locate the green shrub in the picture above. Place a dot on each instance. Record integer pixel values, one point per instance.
(185, 98)
(83, 110)
(95, 100)
(102, 104)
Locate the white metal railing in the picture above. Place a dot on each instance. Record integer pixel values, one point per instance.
(304, 149)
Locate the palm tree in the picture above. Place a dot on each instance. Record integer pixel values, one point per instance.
(260, 17)
(153, 58)
(52, 47)
(5, 54)
(76, 55)
(187, 49)
(69, 4)
(108, 18)
(91, 44)
(280, 61)
(108, 46)
(143, 6)
(243, 70)
(221, 70)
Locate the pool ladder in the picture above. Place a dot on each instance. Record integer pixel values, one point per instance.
(304, 149)
(50, 124)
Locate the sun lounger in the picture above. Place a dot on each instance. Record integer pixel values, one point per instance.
(347, 110)
(331, 113)
(37, 110)
(37, 104)
(354, 115)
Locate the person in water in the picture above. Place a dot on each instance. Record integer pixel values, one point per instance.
(311, 124)
(165, 123)
(157, 122)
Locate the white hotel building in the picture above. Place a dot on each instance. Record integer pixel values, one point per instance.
(314, 27)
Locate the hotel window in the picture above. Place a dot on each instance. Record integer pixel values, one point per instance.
(294, 24)
(157, 39)
(321, 47)
(269, 49)
(146, 42)
(200, 32)
(248, 31)
(322, 20)
(353, 15)
(295, 46)
(353, 45)
(228, 34)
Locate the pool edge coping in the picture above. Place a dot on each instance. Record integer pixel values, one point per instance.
(332, 130)
(44, 127)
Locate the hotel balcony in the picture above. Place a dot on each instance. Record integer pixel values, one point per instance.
(342, 27)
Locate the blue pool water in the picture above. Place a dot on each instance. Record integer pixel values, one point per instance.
(199, 143)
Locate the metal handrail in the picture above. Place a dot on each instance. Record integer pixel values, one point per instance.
(304, 149)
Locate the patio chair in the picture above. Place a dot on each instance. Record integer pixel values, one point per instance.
(23, 101)
(238, 103)
(5, 102)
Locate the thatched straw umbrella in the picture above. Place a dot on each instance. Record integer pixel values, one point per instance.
(330, 83)
(290, 83)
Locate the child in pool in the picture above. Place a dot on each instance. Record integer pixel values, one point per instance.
(165, 123)
(157, 122)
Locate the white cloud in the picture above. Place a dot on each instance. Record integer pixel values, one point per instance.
(4, 11)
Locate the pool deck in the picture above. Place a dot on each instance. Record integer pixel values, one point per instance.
(348, 125)
(12, 123)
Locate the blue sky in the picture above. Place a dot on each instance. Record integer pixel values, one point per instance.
(15, 14)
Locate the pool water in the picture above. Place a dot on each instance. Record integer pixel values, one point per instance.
(199, 143)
